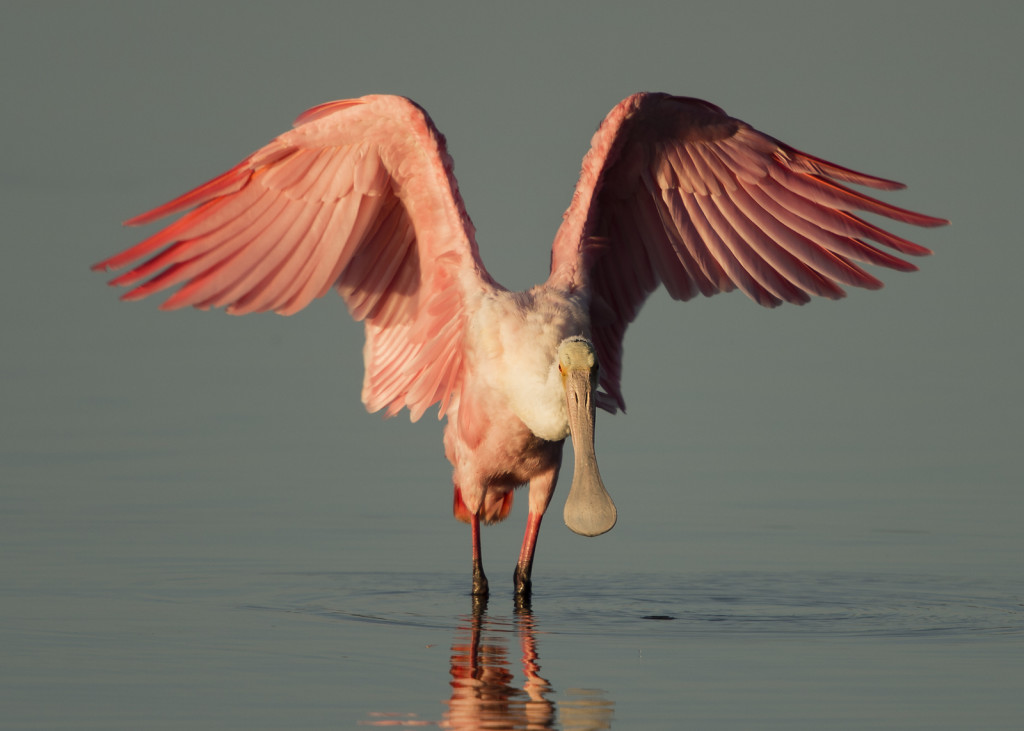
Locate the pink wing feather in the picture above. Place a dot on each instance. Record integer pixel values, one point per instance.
(360, 197)
(674, 191)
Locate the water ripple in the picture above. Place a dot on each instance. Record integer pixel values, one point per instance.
(775, 604)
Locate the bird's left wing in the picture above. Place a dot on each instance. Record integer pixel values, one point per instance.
(674, 191)
(360, 196)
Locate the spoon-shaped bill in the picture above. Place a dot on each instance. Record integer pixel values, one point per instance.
(589, 509)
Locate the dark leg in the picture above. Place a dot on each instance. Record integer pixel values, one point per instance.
(479, 580)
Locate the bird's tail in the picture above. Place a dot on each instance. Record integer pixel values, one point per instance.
(495, 509)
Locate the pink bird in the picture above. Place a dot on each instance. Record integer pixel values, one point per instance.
(360, 197)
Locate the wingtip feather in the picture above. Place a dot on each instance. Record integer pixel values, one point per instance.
(224, 184)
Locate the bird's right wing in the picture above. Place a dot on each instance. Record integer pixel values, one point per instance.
(360, 196)
(674, 191)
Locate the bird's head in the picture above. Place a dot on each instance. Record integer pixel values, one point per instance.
(589, 509)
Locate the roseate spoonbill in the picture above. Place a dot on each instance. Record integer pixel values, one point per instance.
(360, 197)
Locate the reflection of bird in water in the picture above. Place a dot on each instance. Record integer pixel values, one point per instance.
(484, 694)
(361, 197)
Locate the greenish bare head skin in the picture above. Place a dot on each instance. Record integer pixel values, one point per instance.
(577, 352)
(589, 509)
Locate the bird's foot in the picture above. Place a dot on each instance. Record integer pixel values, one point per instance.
(480, 588)
(523, 585)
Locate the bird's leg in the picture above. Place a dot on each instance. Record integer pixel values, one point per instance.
(542, 487)
(525, 565)
(479, 580)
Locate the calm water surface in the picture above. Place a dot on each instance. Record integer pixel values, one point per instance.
(108, 623)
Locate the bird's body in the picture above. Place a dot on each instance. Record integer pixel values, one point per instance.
(360, 197)
(507, 424)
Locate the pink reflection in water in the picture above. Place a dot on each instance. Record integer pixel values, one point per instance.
(486, 694)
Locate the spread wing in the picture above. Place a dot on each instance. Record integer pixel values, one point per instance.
(676, 192)
(358, 197)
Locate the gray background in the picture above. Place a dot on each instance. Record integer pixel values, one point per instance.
(879, 432)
